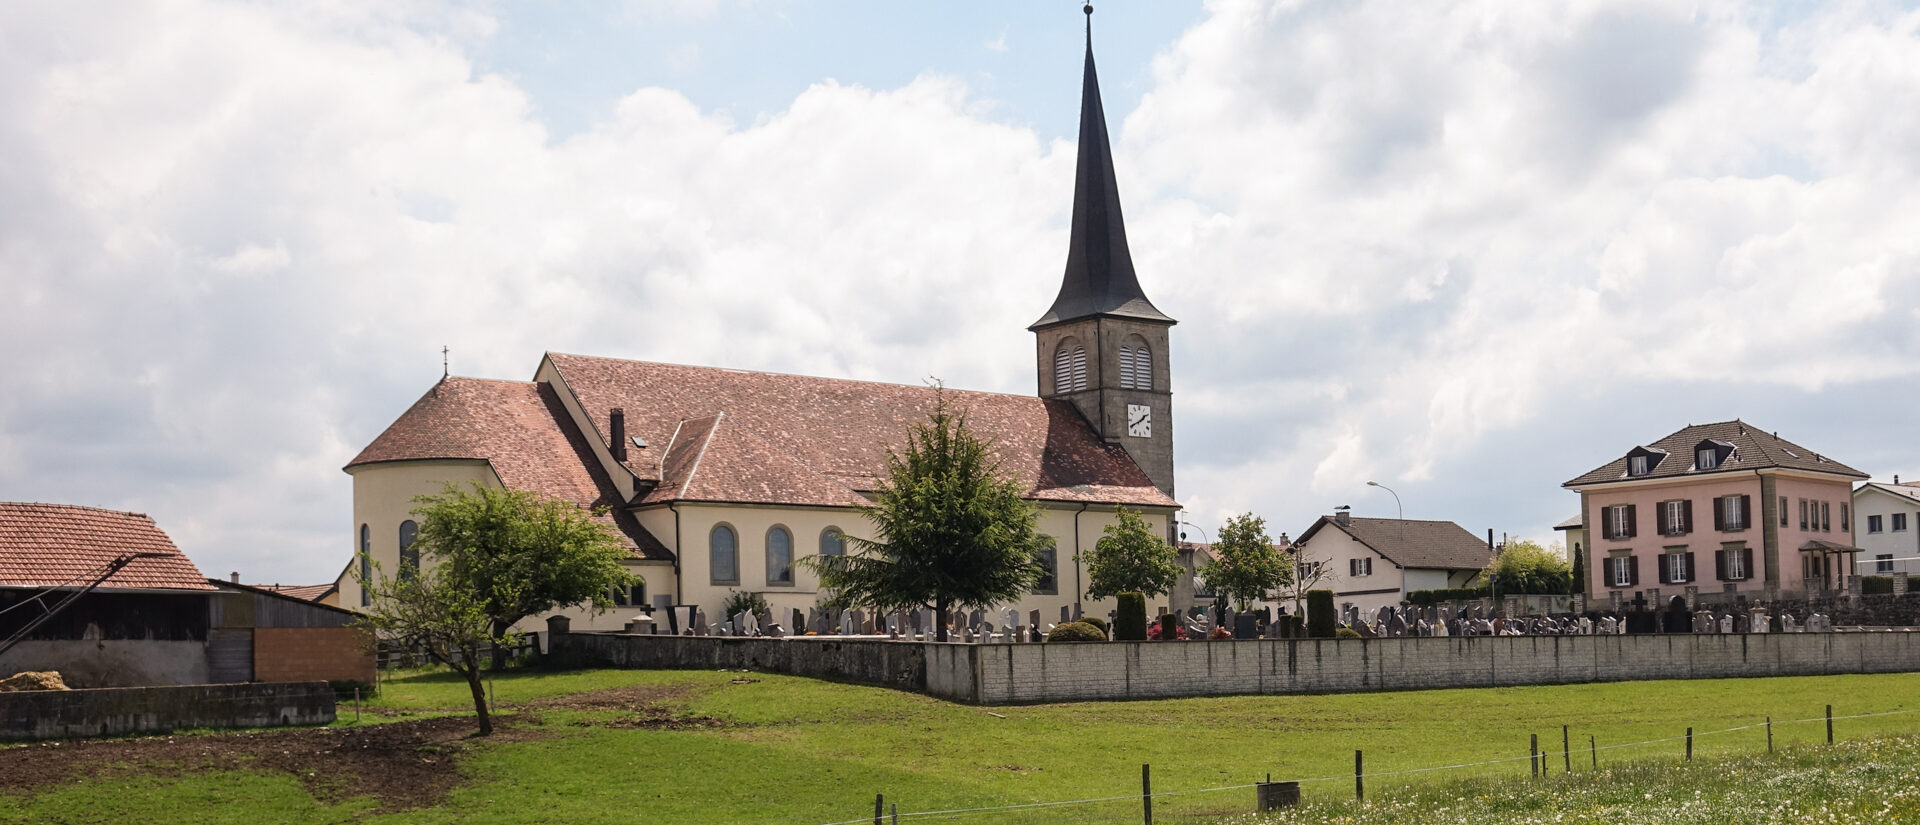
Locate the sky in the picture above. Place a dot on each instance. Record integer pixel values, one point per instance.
(1468, 250)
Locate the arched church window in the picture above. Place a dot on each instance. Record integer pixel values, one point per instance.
(779, 556)
(366, 564)
(832, 543)
(1069, 367)
(409, 557)
(723, 553)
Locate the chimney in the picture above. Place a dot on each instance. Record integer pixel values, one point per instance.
(235, 576)
(1489, 538)
(1341, 516)
(1896, 478)
(617, 430)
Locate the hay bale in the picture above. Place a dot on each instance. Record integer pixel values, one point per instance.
(33, 680)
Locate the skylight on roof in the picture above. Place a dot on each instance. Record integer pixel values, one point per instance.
(1792, 454)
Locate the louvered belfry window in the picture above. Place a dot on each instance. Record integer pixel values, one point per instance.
(1069, 367)
(1136, 365)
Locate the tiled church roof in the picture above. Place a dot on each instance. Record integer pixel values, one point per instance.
(791, 439)
(42, 545)
(524, 432)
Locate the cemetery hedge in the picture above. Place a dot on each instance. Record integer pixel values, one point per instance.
(1098, 623)
(1130, 621)
(1076, 632)
(1876, 585)
(1320, 614)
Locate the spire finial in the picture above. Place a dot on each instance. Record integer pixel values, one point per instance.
(1088, 8)
(445, 369)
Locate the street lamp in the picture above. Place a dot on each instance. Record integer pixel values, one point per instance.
(1396, 500)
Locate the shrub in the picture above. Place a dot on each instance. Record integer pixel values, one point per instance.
(1320, 616)
(1872, 585)
(1429, 598)
(1347, 633)
(747, 600)
(1096, 621)
(1130, 621)
(1076, 632)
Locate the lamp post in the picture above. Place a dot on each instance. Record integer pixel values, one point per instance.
(1193, 572)
(1396, 501)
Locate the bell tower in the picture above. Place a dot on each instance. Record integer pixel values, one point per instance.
(1103, 346)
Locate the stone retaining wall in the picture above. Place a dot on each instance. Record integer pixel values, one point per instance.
(65, 714)
(999, 674)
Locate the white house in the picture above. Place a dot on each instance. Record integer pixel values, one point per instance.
(1887, 527)
(1377, 561)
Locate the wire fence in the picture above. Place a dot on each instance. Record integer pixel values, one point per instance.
(884, 814)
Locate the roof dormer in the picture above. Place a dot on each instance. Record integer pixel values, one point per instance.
(1644, 460)
(1712, 453)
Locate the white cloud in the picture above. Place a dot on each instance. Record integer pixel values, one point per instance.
(1419, 244)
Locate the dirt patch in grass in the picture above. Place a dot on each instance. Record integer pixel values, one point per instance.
(640, 707)
(401, 765)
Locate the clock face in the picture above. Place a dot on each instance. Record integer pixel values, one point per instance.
(1139, 421)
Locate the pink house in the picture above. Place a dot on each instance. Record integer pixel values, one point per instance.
(1717, 508)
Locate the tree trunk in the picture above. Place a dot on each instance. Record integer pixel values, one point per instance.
(940, 618)
(499, 662)
(479, 700)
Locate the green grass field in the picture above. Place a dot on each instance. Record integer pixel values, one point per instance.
(781, 749)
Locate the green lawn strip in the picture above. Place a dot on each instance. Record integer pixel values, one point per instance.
(801, 750)
(439, 689)
(212, 797)
(1852, 782)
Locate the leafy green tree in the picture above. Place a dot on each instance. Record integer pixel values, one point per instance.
(433, 611)
(521, 554)
(1245, 565)
(952, 529)
(1526, 567)
(1130, 558)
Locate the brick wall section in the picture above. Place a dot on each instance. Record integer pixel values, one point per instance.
(1002, 674)
(65, 714)
(305, 654)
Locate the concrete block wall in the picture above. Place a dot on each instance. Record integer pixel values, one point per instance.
(1001, 674)
(65, 714)
(307, 654)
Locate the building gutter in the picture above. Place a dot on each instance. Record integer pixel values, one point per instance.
(678, 551)
(1079, 590)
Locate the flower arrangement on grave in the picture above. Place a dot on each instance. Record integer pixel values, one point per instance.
(1153, 632)
(1220, 633)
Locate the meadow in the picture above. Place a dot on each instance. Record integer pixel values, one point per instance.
(696, 746)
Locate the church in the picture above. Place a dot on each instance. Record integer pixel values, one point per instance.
(719, 480)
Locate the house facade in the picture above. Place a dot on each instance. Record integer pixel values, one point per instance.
(1370, 563)
(1717, 509)
(1888, 527)
(720, 481)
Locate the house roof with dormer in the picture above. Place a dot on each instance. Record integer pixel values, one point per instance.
(1745, 448)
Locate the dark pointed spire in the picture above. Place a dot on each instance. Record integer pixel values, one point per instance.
(1099, 278)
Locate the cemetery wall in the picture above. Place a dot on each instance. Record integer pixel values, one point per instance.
(1014, 674)
(944, 670)
(1000, 674)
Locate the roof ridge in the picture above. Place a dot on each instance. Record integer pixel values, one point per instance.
(718, 419)
(807, 376)
(75, 507)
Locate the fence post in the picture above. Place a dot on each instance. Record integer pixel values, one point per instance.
(1689, 744)
(1359, 779)
(1566, 753)
(1829, 724)
(879, 804)
(1146, 791)
(356, 705)
(1533, 754)
(1769, 734)
(896, 813)
(1594, 751)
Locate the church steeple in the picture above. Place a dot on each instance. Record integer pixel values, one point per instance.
(1099, 279)
(1103, 345)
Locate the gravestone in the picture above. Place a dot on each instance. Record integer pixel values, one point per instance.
(1010, 619)
(1900, 583)
(927, 623)
(847, 625)
(1757, 620)
(745, 624)
(1033, 618)
(1726, 623)
(1787, 624)
(1066, 613)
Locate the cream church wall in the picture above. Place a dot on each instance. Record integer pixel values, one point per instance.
(383, 498)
